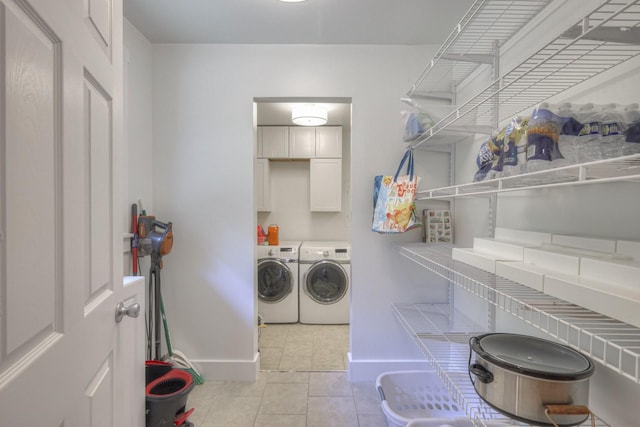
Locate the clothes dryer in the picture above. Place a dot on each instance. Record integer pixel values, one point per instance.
(278, 282)
(325, 280)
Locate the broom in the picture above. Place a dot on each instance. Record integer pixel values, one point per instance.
(176, 357)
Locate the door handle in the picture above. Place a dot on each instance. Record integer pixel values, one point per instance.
(132, 311)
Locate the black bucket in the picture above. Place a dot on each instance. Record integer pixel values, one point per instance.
(166, 395)
(154, 369)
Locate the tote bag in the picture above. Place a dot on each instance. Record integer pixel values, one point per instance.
(394, 208)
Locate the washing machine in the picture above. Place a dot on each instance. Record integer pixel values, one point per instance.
(325, 280)
(278, 282)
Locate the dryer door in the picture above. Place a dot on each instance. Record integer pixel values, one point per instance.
(275, 280)
(326, 282)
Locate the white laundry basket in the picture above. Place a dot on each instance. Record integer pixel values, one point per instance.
(417, 396)
(440, 422)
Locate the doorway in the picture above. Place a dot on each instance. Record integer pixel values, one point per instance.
(284, 185)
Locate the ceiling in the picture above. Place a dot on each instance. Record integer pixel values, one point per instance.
(379, 22)
(404, 22)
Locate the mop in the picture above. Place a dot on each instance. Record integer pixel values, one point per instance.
(176, 357)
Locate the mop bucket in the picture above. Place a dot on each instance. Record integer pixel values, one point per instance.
(166, 395)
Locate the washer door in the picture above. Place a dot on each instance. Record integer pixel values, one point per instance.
(326, 282)
(275, 280)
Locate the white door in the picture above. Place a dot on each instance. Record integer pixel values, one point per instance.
(61, 265)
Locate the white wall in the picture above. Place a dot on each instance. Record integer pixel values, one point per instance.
(138, 127)
(203, 162)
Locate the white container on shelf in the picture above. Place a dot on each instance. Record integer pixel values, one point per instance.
(520, 272)
(480, 260)
(628, 248)
(620, 302)
(554, 260)
(587, 243)
(498, 249)
(524, 237)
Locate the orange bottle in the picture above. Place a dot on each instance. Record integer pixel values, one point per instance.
(272, 235)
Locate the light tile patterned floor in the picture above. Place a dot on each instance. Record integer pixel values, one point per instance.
(287, 399)
(302, 383)
(297, 347)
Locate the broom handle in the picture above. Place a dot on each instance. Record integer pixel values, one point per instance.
(166, 328)
(158, 304)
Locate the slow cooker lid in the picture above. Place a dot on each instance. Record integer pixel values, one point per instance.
(533, 356)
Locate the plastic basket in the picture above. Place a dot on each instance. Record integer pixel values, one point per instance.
(417, 396)
(441, 422)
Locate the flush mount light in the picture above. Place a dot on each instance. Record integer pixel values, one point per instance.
(292, 1)
(309, 115)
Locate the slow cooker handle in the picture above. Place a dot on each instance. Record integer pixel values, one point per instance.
(567, 410)
(483, 375)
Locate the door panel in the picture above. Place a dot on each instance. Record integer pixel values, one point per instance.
(98, 16)
(97, 105)
(61, 351)
(31, 176)
(99, 398)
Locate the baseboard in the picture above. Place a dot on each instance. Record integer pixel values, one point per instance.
(228, 370)
(369, 369)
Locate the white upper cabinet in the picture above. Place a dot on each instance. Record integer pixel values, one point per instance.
(329, 142)
(275, 142)
(258, 142)
(302, 142)
(299, 142)
(262, 184)
(325, 191)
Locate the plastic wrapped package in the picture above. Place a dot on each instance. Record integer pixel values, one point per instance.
(569, 132)
(543, 133)
(588, 140)
(483, 161)
(612, 130)
(514, 158)
(632, 136)
(414, 124)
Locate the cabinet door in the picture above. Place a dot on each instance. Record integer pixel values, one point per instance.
(325, 185)
(302, 142)
(275, 142)
(329, 142)
(258, 143)
(262, 178)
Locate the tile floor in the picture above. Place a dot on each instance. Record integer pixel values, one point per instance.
(297, 347)
(287, 399)
(302, 383)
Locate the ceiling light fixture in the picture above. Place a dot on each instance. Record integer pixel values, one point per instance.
(309, 115)
(292, 1)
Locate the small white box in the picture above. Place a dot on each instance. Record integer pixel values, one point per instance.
(611, 300)
(622, 273)
(588, 243)
(478, 260)
(553, 260)
(499, 249)
(525, 274)
(628, 248)
(526, 238)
